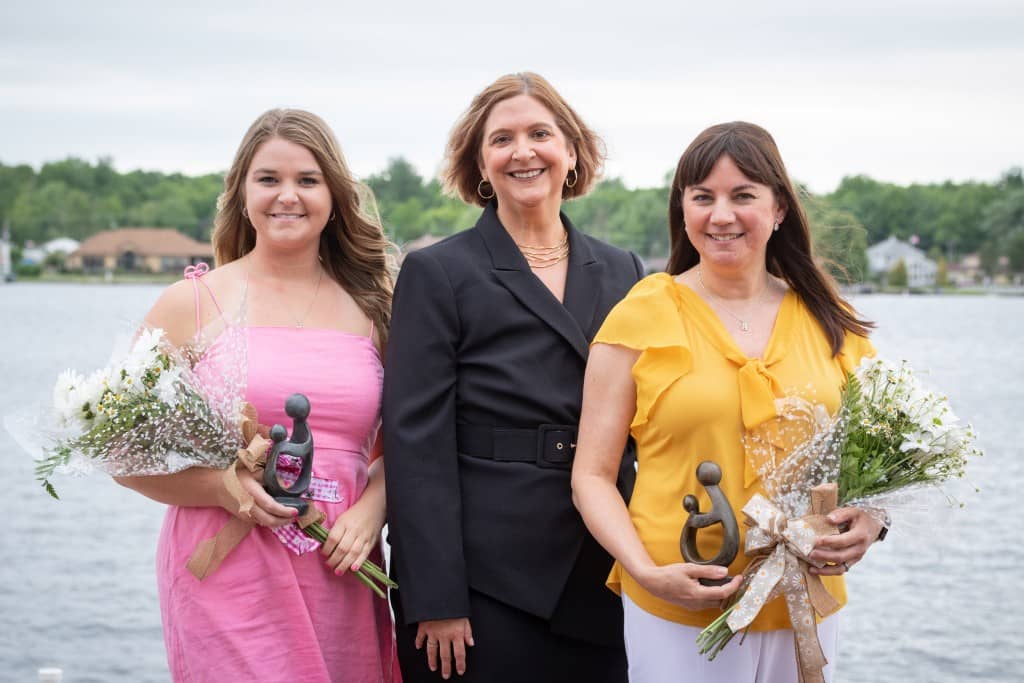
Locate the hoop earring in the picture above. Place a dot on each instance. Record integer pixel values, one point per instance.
(245, 213)
(333, 216)
(479, 189)
(575, 178)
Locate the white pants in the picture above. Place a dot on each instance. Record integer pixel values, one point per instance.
(661, 651)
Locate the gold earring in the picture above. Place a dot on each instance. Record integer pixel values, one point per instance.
(479, 189)
(575, 178)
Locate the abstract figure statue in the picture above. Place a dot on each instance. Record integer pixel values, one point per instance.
(298, 447)
(709, 474)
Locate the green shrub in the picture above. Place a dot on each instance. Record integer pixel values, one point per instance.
(28, 270)
(898, 275)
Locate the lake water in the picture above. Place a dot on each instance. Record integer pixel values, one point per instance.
(77, 582)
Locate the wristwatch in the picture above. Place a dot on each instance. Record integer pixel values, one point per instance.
(886, 523)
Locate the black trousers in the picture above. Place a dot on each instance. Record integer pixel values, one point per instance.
(513, 647)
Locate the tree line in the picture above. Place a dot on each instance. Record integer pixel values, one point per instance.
(76, 198)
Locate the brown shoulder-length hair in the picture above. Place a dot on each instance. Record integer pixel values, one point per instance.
(461, 171)
(790, 254)
(353, 247)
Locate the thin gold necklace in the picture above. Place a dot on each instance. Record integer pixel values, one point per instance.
(545, 257)
(300, 322)
(744, 322)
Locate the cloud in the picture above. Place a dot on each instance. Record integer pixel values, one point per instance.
(902, 91)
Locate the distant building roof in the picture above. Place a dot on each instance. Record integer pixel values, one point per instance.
(893, 249)
(144, 242)
(883, 257)
(62, 244)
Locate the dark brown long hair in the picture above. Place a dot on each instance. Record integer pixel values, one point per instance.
(353, 247)
(790, 255)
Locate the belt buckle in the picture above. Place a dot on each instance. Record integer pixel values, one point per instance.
(556, 446)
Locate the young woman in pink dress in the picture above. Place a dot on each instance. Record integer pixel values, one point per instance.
(303, 277)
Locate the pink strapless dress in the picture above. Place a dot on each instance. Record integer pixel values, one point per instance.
(267, 614)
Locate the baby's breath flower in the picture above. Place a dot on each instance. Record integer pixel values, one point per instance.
(891, 434)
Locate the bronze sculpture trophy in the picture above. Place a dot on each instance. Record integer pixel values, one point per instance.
(709, 475)
(299, 446)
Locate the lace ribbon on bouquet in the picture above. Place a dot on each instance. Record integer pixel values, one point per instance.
(890, 441)
(780, 548)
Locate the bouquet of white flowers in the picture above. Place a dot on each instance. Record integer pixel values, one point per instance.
(144, 414)
(150, 412)
(890, 437)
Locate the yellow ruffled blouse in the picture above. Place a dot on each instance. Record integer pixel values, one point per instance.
(697, 395)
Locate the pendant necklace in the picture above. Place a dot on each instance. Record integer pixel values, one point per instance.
(299, 321)
(744, 322)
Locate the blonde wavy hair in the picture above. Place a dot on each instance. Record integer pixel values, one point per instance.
(353, 248)
(461, 172)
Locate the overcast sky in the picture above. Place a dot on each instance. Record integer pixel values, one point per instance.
(901, 90)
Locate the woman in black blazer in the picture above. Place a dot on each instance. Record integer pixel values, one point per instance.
(499, 579)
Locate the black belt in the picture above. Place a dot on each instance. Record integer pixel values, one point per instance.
(551, 446)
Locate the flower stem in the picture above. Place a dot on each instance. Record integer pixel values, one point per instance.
(716, 635)
(369, 573)
(370, 584)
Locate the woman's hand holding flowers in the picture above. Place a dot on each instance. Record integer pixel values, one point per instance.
(353, 536)
(842, 551)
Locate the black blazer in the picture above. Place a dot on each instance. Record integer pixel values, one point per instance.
(477, 339)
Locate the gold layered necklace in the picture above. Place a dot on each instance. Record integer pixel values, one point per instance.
(545, 257)
(743, 321)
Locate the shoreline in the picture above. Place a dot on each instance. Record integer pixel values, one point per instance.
(169, 278)
(99, 279)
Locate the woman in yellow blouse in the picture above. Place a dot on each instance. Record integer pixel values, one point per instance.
(686, 364)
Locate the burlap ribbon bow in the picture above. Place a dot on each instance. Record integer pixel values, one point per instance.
(210, 552)
(780, 548)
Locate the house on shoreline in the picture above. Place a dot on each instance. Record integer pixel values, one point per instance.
(34, 254)
(885, 255)
(139, 250)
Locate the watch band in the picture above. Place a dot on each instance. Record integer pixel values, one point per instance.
(884, 531)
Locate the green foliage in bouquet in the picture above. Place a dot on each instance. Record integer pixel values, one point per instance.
(149, 414)
(138, 416)
(897, 434)
(889, 436)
